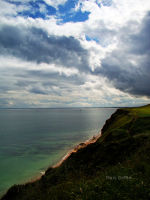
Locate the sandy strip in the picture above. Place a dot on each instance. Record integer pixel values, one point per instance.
(76, 148)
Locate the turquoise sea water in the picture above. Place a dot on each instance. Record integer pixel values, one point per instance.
(33, 139)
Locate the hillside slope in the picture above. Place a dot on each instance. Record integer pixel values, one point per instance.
(116, 166)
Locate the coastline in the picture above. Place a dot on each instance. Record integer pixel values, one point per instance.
(77, 147)
(73, 150)
(44, 151)
(89, 172)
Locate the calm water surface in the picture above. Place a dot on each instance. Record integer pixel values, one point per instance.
(33, 139)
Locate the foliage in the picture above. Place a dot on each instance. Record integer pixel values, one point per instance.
(117, 166)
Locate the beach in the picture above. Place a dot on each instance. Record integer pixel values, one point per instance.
(77, 147)
(35, 139)
(73, 150)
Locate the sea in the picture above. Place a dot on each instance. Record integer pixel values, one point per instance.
(31, 140)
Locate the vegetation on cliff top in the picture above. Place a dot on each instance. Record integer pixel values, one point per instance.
(117, 166)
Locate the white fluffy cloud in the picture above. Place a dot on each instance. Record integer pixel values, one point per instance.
(80, 78)
(55, 3)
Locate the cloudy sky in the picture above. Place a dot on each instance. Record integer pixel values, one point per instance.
(74, 53)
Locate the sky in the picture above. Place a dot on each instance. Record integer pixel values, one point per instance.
(74, 53)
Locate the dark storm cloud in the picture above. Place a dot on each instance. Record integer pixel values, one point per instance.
(132, 77)
(34, 44)
(140, 43)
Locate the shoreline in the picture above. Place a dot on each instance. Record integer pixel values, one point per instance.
(77, 147)
(73, 150)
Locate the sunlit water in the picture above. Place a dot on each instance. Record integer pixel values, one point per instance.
(33, 139)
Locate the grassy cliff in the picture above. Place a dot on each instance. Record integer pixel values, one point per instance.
(117, 166)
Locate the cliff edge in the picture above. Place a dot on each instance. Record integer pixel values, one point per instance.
(116, 166)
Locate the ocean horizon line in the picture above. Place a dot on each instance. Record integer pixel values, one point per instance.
(64, 108)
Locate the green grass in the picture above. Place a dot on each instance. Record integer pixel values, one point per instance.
(117, 166)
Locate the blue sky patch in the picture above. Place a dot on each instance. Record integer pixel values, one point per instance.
(67, 13)
(68, 6)
(35, 9)
(78, 16)
(39, 9)
(91, 39)
(14, 2)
